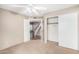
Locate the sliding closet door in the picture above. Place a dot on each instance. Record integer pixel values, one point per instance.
(53, 29)
(68, 30)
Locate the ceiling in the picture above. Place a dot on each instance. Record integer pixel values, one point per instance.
(35, 9)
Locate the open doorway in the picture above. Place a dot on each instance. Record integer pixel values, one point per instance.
(35, 30)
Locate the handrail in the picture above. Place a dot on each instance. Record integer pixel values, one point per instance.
(37, 29)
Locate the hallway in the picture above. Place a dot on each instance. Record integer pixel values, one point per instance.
(38, 47)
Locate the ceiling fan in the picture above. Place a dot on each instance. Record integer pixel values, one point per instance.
(32, 9)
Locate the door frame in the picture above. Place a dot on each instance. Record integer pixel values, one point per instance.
(42, 28)
(28, 33)
(46, 28)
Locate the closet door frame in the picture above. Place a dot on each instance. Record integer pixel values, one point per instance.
(47, 24)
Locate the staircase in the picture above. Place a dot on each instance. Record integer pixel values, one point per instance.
(35, 31)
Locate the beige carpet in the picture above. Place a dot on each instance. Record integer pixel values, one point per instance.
(38, 47)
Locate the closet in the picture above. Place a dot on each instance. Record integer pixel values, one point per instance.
(52, 28)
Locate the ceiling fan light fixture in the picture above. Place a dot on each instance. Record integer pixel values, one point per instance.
(35, 11)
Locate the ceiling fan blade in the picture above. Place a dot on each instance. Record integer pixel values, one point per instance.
(18, 5)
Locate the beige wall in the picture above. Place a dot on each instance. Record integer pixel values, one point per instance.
(63, 11)
(11, 29)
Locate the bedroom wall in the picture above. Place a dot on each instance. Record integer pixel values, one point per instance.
(63, 11)
(11, 29)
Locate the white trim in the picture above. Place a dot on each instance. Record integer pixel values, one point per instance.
(26, 30)
(45, 31)
(42, 30)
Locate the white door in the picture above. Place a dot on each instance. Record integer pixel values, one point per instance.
(26, 30)
(68, 34)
